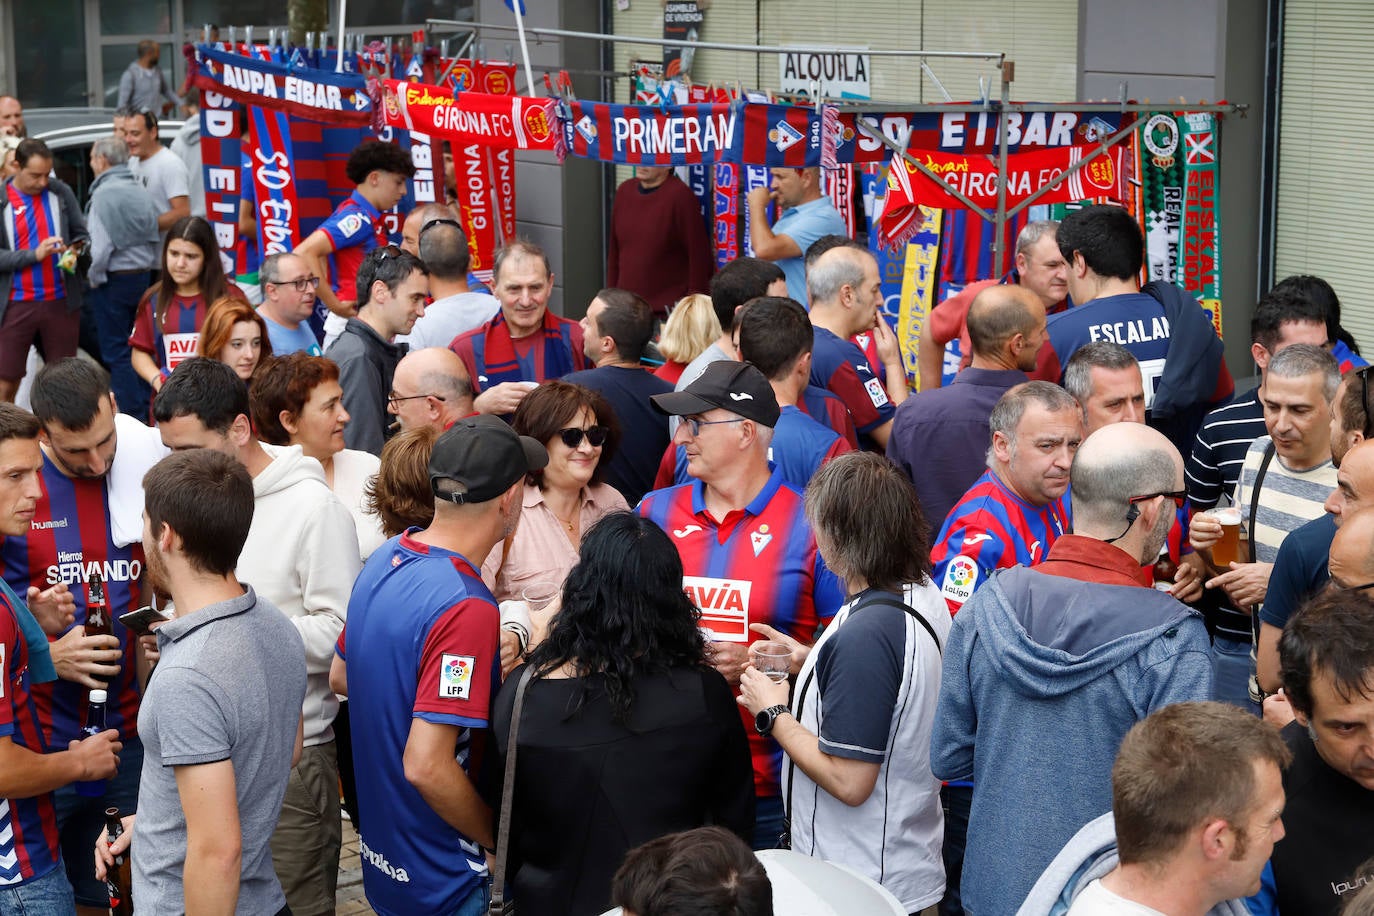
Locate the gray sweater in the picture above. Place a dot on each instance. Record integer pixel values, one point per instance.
(123, 224)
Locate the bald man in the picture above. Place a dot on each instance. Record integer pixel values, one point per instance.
(941, 437)
(1352, 552)
(431, 387)
(417, 218)
(1079, 648)
(12, 117)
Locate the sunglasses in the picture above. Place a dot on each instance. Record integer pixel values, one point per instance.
(572, 436)
(1178, 496)
(440, 221)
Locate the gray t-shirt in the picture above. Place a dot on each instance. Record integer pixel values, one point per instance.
(229, 686)
(164, 175)
(446, 318)
(692, 372)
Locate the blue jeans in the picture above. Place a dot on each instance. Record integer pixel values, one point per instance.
(957, 800)
(768, 822)
(476, 905)
(49, 895)
(114, 306)
(1231, 667)
(80, 821)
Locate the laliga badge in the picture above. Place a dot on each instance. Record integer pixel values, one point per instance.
(961, 578)
(455, 676)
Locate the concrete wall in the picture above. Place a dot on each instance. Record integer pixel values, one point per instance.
(558, 206)
(1200, 50)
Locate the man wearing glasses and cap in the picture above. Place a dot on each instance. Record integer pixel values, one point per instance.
(748, 555)
(288, 300)
(1046, 669)
(422, 666)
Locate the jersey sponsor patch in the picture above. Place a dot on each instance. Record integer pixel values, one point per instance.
(724, 605)
(961, 578)
(876, 394)
(180, 347)
(351, 225)
(455, 676)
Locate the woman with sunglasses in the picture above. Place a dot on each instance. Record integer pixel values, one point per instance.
(562, 501)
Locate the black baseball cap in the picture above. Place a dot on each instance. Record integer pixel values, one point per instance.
(734, 386)
(484, 455)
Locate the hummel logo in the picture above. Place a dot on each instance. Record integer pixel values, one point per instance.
(683, 532)
(741, 396)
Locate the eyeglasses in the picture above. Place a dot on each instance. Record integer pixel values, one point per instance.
(1363, 372)
(695, 424)
(572, 436)
(395, 398)
(387, 251)
(300, 283)
(1353, 588)
(440, 221)
(1178, 496)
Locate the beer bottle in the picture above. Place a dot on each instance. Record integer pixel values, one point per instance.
(1164, 571)
(95, 724)
(97, 606)
(117, 876)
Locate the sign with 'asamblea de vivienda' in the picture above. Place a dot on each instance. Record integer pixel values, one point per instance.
(842, 75)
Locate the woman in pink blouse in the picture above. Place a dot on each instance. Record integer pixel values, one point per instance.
(579, 428)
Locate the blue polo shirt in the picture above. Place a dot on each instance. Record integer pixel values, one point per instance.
(1300, 570)
(804, 224)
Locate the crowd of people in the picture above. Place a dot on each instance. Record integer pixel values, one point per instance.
(529, 606)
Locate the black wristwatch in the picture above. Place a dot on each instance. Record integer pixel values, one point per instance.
(763, 722)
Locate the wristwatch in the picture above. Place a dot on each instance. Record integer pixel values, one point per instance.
(763, 722)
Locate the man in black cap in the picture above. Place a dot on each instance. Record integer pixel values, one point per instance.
(748, 554)
(423, 664)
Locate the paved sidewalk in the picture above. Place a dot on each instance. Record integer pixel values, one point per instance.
(349, 899)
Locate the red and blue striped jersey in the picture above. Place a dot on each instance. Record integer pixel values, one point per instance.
(822, 406)
(992, 528)
(28, 826)
(354, 228)
(69, 537)
(29, 219)
(757, 565)
(840, 367)
(177, 338)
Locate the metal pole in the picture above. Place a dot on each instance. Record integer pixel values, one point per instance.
(517, 6)
(721, 46)
(343, 18)
(999, 223)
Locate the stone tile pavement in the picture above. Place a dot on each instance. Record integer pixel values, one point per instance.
(349, 899)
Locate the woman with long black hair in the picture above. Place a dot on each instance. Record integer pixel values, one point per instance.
(627, 733)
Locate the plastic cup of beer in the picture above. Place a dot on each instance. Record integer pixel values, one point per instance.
(1227, 550)
(773, 659)
(539, 595)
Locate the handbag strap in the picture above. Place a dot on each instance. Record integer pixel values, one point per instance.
(498, 883)
(1254, 512)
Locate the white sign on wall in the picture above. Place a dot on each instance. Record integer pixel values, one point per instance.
(843, 75)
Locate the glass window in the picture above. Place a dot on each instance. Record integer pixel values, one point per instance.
(136, 17)
(50, 53)
(365, 13)
(247, 12)
(115, 59)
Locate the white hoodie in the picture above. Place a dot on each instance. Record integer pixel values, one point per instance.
(302, 555)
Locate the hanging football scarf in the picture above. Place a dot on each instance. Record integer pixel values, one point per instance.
(969, 132)
(511, 122)
(919, 283)
(309, 166)
(755, 176)
(220, 158)
(966, 246)
(473, 171)
(1199, 255)
(976, 177)
(874, 190)
(321, 95)
(1161, 179)
(663, 135)
(275, 183)
(726, 206)
(781, 136)
(839, 187)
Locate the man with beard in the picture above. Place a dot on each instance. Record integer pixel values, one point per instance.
(212, 790)
(87, 521)
(1046, 669)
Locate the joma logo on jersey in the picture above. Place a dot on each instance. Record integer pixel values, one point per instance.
(74, 571)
